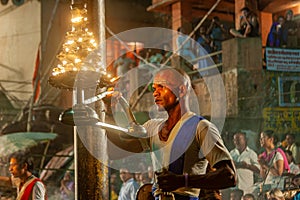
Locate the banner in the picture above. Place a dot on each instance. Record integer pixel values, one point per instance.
(282, 120)
(283, 59)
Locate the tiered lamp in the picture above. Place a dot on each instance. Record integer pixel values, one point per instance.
(79, 43)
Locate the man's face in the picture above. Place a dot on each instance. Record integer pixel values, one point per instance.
(164, 89)
(289, 139)
(125, 175)
(289, 16)
(239, 141)
(245, 13)
(15, 169)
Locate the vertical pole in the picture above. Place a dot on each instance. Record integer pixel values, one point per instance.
(102, 42)
(78, 96)
(103, 172)
(75, 164)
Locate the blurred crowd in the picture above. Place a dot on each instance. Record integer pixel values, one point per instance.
(271, 172)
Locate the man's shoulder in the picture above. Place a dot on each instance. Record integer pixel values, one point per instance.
(251, 150)
(39, 186)
(204, 122)
(233, 151)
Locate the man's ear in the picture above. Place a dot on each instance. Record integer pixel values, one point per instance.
(25, 166)
(182, 90)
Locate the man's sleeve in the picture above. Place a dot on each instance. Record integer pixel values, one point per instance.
(254, 159)
(211, 143)
(38, 191)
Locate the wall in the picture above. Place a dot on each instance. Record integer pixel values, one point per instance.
(19, 41)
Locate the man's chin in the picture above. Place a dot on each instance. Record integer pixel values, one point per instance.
(160, 108)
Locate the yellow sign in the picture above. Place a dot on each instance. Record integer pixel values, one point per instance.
(282, 120)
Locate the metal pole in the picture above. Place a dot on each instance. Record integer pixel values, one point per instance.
(77, 98)
(75, 164)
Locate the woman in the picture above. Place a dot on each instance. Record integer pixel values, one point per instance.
(273, 161)
(275, 36)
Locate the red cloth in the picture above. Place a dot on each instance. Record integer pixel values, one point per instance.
(28, 190)
(36, 75)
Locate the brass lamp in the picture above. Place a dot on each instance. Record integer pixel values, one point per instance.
(79, 44)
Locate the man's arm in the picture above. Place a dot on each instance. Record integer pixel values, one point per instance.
(120, 143)
(124, 141)
(223, 176)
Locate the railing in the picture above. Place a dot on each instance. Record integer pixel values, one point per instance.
(216, 53)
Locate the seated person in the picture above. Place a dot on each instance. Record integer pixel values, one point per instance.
(249, 26)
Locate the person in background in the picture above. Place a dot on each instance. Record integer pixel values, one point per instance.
(275, 194)
(294, 169)
(150, 174)
(129, 187)
(273, 161)
(236, 194)
(249, 26)
(296, 183)
(217, 34)
(29, 187)
(204, 39)
(185, 47)
(246, 163)
(292, 146)
(290, 30)
(113, 187)
(275, 37)
(67, 187)
(205, 42)
(186, 50)
(248, 196)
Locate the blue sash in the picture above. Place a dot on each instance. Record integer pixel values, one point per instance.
(182, 142)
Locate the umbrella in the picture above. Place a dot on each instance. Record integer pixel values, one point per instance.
(13, 142)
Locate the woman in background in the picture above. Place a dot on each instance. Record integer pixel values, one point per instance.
(273, 161)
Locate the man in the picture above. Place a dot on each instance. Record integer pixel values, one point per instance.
(249, 26)
(129, 187)
(28, 187)
(290, 30)
(186, 148)
(245, 160)
(293, 147)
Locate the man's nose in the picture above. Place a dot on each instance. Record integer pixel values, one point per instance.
(155, 93)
